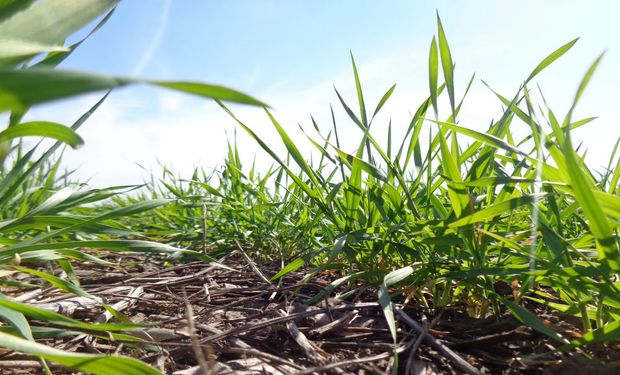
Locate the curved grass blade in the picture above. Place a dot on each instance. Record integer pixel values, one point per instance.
(43, 129)
(293, 150)
(21, 171)
(128, 210)
(43, 315)
(484, 138)
(383, 100)
(50, 21)
(320, 296)
(92, 363)
(531, 320)
(59, 283)
(399, 275)
(209, 91)
(551, 58)
(493, 210)
(582, 86)
(17, 320)
(117, 245)
(55, 58)
(365, 166)
(20, 89)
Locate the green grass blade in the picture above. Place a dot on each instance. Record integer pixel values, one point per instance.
(551, 58)
(53, 21)
(55, 58)
(365, 166)
(584, 193)
(484, 138)
(17, 320)
(610, 203)
(43, 129)
(383, 100)
(433, 70)
(39, 314)
(360, 96)
(531, 320)
(10, 49)
(325, 292)
(607, 333)
(583, 187)
(613, 184)
(353, 194)
(20, 89)
(47, 23)
(21, 171)
(349, 111)
(290, 267)
(446, 63)
(59, 283)
(386, 304)
(210, 91)
(293, 150)
(116, 245)
(399, 275)
(501, 180)
(23, 88)
(91, 363)
(449, 166)
(582, 86)
(493, 210)
(10, 7)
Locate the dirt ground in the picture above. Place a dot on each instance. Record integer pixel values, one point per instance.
(209, 320)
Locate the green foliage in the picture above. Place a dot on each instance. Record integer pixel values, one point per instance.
(44, 217)
(473, 209)
(444, 219)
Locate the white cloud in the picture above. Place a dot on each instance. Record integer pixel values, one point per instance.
(146, 125)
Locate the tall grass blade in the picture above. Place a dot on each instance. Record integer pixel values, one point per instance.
(433, 70)
(360, 96)
(446, 63)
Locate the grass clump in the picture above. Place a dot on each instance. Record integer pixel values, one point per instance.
(443, 220)
(446, 221)
(44, 219)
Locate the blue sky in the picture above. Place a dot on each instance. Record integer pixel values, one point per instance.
(290, 53)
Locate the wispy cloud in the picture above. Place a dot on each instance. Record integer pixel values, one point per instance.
(184, 131)
(160, 31)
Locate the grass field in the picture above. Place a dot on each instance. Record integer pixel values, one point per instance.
(445, 218)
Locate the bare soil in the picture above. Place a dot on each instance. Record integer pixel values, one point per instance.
(210, 320)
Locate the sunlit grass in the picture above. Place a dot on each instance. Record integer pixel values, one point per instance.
(439, 221)
(455, 214)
